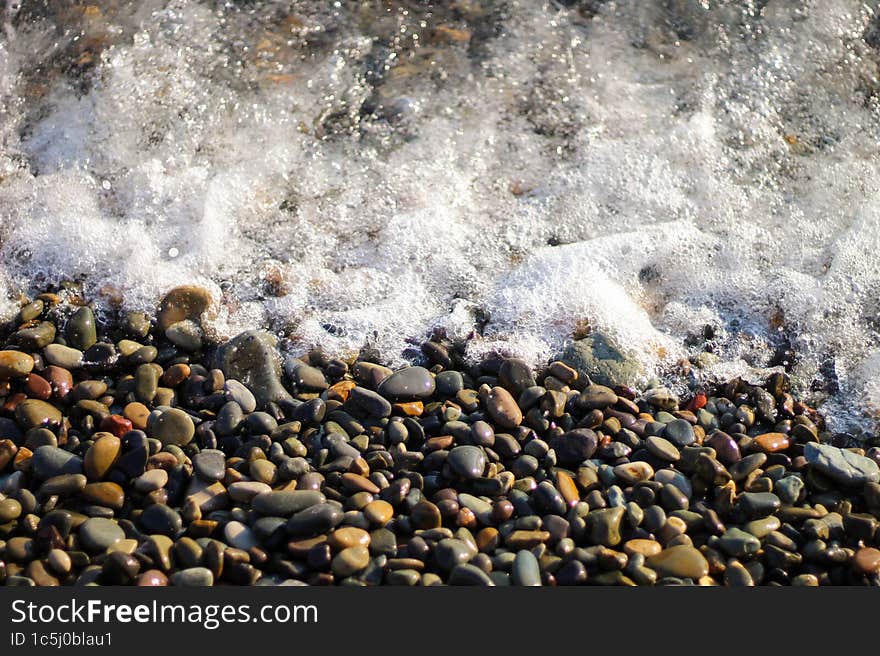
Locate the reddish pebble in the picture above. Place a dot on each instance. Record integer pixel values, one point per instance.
(466, 518)
(699, 401)
(13, 401)
(771, 442)
(867, 560)
(60, 379)
(115, 424)
(152, 578)
(38, 387)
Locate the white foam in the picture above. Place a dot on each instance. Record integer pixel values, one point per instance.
(696, 165)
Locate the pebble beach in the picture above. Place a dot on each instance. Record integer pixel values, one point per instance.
(137, 450)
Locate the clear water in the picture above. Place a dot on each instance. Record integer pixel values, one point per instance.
(682, 175)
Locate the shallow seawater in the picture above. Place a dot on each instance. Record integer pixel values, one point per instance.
(684, 176)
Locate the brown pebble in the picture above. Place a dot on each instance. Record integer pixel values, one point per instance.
(425, 515)
(379, 512)
(355, 483)
(771, 442)
(348, 536)
(7, 453)
(60, 379)
(152, 578)
(567, 488)
(867, 560)
(176, 374)
(109, 495)
(101, 456)
(38, 387)
(503, 408)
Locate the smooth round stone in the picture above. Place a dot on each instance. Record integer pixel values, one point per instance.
(467, 574)
(59, 561)
(162, 520)
(412, 382)
(285, 503)
(146, 382)
(449, 383)
(369, 402)
(101, 456)
(844, 467)
(736, 575)
(426, 515)
(662, 398)
(642, 546)
(37, 387)
(575, 446)
(63, 356)
(726, 449)
(450, 552)
(754, 505)
(596, 397)
(567, 488)
(867, 561)
(37, 336)
(50, 461)
(245, 491)
(348, 536)
(675, 478)
(229, 418)
(260, 423)
(680, 561)
(209, 465)
(350, 561)
(154, 479)
(680, 432)
(239, 536)
(184, 302)
(173, 426)
(662, 448)
(604, 526)
(10, 509)
(515, 375)
(737, 543)
(64, 485)
(634, 472)
(236, 392)
(37, 437)
(14, 364)
(771, 442)
(482, 509)
(525, 570)
(379, 512)
(467, 461)
(186, 335)
(176, 374)
(80, 331)
(106, 494)
(789, 489)
(137, 413)
(763, 527)
(547, 500)
(503, 409)
(152, 578)
(97, 533)
(252, 358)
(317, 519)
(305, 376)
(33, 413)
(193, 577)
